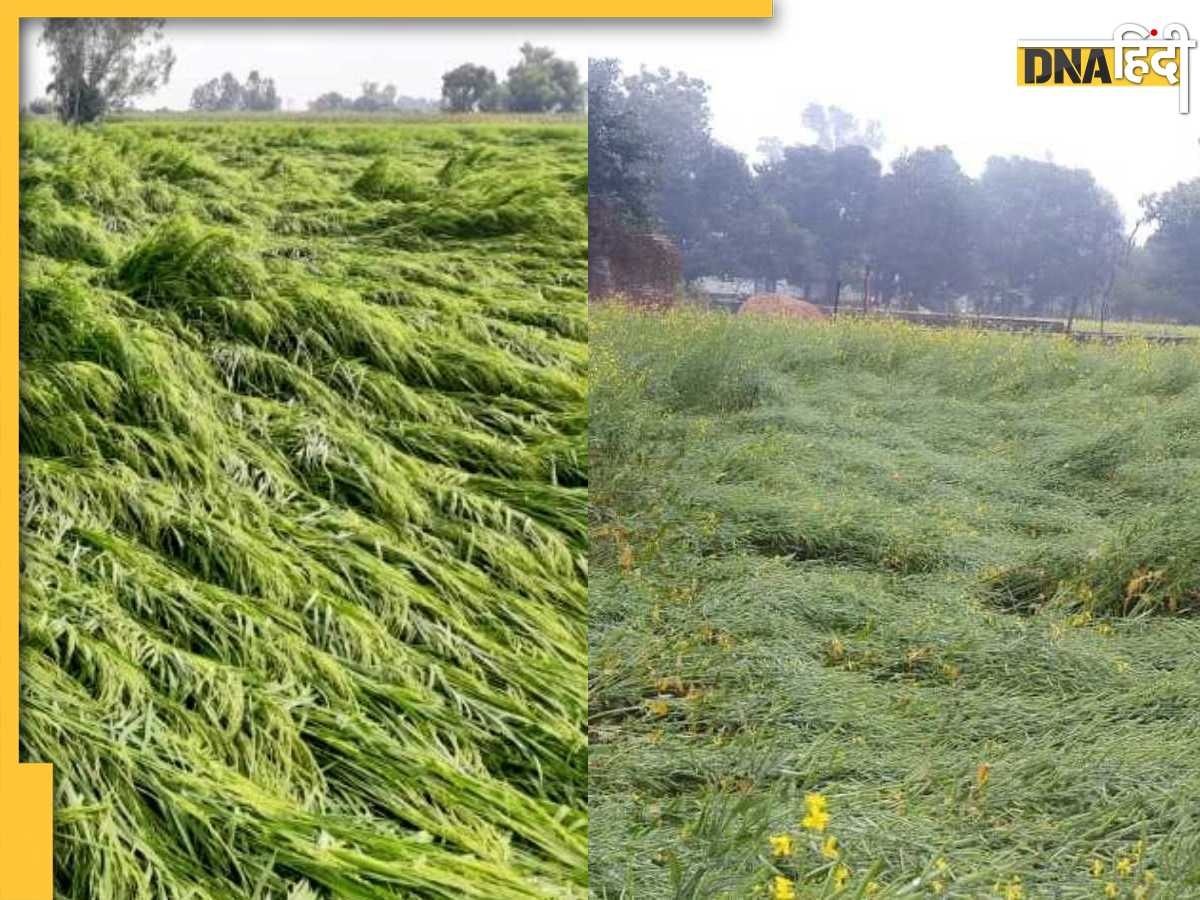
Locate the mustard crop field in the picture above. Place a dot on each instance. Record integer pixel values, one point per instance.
(303, 506)
(879, 611)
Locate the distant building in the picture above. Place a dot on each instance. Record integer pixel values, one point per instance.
(730, 293)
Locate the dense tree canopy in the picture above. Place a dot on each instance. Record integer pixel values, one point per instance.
(829, 194)
(924, 229)
(1050, 235)
(227, 94)
(1025, 237)
(469, 88)
(259, 93)
(542, 82)
(1173, 250)
(672, 110)
(623, 160)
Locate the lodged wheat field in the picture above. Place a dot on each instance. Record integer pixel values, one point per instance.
(880, 611)
(303, 504)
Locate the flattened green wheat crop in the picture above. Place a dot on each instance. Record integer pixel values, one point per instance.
(883, 611)
(303, 507)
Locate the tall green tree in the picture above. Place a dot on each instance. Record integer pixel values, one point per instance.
(206, 97)
(227, 94)
(831, 196)
(623, 158)
(672, 111)
(923, 229)
(542, 82)
(468, 87)
(709, 210)
(259, 94)
(1173, 250)
(750, 235)
(99, 65)
(1050, 236)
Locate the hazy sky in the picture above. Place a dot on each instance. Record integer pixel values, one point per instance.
(932, 73)
(936, 73)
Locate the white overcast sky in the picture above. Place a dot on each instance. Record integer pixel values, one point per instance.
(931, 72)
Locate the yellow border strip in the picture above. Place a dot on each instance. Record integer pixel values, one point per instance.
(26, 790)
(466, 9)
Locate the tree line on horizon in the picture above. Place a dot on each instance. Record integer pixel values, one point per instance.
(1027, 237)
(101, 65)
(255, 94)
(540, 82)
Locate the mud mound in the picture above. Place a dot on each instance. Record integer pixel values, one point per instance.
(778, 305)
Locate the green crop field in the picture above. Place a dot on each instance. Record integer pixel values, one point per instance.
(303, 506)
(879, 611)
(1147, 329)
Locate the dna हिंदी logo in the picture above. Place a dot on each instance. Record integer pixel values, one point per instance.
(1134, 57)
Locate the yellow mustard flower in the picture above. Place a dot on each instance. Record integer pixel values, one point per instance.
(781, 845)
(841, 875)
(937, 886)
(658, 707)
(1111, 889)
(1096, 868)
(815, 815)
(782, 888)
(669, 684)
(829, 849)
(940, 864)
(1124, 865)
(872, 889)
